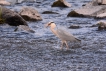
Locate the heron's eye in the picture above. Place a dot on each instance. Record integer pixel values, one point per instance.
(49, 24)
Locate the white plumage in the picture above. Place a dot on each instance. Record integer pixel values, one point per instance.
(63, 35)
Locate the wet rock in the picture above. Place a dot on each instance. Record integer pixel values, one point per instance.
(27, 0)
(30, 14)
(49, 12)
(83, 4)
(2, 21)
(26, 28)
(94, 25)
(61, 3)
(3, 2)
(93, 3)
(85, 12)
(91, 9)
(19, 1)
(101, 2)
(103, 15)
(74, 27)
(101, 25)
(11, 17)
(74, 14)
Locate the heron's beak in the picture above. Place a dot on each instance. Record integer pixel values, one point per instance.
(46, 25)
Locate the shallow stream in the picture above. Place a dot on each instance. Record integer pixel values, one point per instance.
(23, 51)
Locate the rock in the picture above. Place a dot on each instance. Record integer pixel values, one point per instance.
(26, 28)
(2, 21)
(103, 15)
(19, 1)
(74, 26)
(12, 18)
(85, 12)
(93, 3)
(101, 25)
(49, 12)
(12, 2)
(103, 1)
(89, 10)
(30, 14)
(94, 25)
(74, 14)
(61, 3)
(3, 2)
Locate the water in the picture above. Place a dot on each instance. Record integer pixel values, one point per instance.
(18, 1)
(23, 51)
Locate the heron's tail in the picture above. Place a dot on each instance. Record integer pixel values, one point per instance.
(26, 28)
(78, 39)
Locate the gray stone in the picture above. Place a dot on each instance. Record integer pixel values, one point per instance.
(11, 17)
(101, 25)
(3, 2)
(49, 12)
(30, 14)
(61, 3)
(74, 27)
(91, 9)
(103, 15)
(14, 19)
(100, 1)
(104, 2)
(19, 1)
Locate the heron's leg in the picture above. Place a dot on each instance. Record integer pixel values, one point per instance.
(62, 42)
(66, 45)
(16, 29)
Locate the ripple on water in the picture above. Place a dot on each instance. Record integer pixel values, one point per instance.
(23, 51)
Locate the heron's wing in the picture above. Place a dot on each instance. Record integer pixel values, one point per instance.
(65, 36)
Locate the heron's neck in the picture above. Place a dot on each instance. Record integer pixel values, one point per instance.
(54, 30)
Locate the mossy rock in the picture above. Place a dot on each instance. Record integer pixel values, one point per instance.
(101, 25)
(2, 21)
(74, 14)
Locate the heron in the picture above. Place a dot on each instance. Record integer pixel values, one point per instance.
(63, 35)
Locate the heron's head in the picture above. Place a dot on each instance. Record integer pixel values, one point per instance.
(51, 24)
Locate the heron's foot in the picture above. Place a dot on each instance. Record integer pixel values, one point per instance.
(61, 48)
(67, 49)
